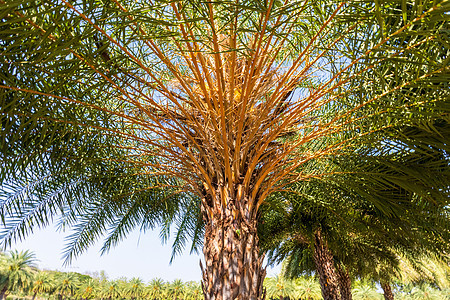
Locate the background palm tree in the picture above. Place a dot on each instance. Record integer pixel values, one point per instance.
(366, 291)
(426, 292)
(17, 271)
(66, 284)
(135, 288)
(88, 289)
(308, 288)
(193, 291)
(176, 290)
(280, 288)
(42, 283)
(157, 289)
(111, 290)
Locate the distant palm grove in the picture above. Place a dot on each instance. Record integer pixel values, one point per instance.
(20, 279)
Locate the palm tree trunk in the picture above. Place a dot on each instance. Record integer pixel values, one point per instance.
(233, 264)
(345, 283)
(325, 268)
(34, 296)
(387, 290)
(3, 292)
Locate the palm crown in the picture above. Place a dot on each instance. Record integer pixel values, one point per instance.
(136, 112)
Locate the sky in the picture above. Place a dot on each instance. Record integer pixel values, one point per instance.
(140, 255)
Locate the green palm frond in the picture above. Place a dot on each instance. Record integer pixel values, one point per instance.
(124, 114)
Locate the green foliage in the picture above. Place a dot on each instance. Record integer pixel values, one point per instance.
(280, 288)
(66, 284)
(72, 131)
(70, 285)
(308, 288)
(43, 283)
(421, 291)
(156, 289)
(108, 123)
(366, 291)
(134, 288)
(16, 271)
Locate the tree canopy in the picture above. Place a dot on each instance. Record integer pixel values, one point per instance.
(124, 114)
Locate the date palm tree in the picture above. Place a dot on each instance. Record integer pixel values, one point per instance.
(157, 289)
(280, 288)
(111, 290)
(366, 291)
(17, 272)
(135, 288)
(66, 284)
(427, 292)
(176, 290)
(312, 231)
(308, 288)
(193, 291)
(124, 113)
(42, 283)
(88, 289)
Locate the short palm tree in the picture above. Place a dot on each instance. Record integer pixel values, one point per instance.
(308, 288)
(193, 291)
(88, 289)
(281, 288)
(135, 288)
(17, 272)
(365, 291)
(66, 284)
(427, 292)
(111, 290)
(157, 289)
(42, 283)
(176, 290)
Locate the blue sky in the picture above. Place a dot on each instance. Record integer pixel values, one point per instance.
(140, 255)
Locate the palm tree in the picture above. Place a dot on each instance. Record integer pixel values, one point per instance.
(134, 288)
(111, 290)
(311, 218)
(66, 284)
(193, 291)
(280, 288)
(88, 289)
(365, 291)
(3, 276)
(176, 290)
(156, 289)
(17, 272)
(426, 292)
(138, 113)
(42, 283)
(431, 269)
(308, 288)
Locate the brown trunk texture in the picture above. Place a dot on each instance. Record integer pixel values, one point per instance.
(345, 283)
(387, 291)
(3, 292)
(233, 265)
(325, 268)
